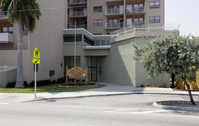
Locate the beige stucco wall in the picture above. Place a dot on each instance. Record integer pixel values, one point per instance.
(96, 16)
(48, 37)
(9, 58)
(7, 76)
(155, 12)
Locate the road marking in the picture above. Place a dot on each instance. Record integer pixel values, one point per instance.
(139, 111)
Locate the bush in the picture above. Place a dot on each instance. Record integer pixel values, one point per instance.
(25, 84)
(142, 85)
(11, 85)
(61, 80)
(148, 84)
(40, 83)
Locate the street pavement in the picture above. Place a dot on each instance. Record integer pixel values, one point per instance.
(116, 110)
(112, 105)
(109, 89)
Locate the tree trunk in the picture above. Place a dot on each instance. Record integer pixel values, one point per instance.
(19, 82)
(190, 95)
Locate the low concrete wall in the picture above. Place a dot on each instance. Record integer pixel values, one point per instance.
(8, 74)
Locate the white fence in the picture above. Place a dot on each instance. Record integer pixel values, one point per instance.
(7, 74)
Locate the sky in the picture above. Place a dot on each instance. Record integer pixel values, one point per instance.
(185, 13)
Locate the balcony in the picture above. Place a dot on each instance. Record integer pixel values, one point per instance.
(113, 26)
(6, 38)
(117, 11)
(78, 26)
(2, 16)
(127, 1)
(138, 24)
(112, 1)
(78, 14)
(77, 2)
(139, 10)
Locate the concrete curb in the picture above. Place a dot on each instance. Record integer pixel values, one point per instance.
(70, 97)
(97, 95)
(192, 109)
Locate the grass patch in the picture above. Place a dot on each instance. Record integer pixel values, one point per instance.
(49, 89)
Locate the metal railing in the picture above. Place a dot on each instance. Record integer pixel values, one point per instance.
(6, 68)
(116, 25)
(113, 11)
(138, 24)
(146, 30)
(78, 26)
(135, 10)
(102, 42)
(113, 0)
(78, 14)
(78, 1)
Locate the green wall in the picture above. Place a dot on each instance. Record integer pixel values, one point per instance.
(120, 67)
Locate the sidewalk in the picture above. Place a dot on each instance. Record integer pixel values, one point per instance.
(109, 89)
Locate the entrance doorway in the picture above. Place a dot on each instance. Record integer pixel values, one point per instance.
(92, 68)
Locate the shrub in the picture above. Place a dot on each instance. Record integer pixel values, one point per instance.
(25, 84)
(142, 85)
(11, 85)
(61, 80)
(148, 84)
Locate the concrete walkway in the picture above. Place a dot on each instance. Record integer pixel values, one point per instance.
(109, 89)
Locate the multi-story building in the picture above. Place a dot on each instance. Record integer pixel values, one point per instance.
(106, 16)
(109, 58)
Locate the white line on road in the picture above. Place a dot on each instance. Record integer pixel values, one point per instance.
(140, 111)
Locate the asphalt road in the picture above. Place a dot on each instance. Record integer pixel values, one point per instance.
(122, 110)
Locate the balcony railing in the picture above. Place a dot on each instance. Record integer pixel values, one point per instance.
(135, 10)
(114, 11)
(6, 38)
(78, 14)
(113, 1)
(72, 2)
(113, 25)
(101, 42)
(78, 26)
(138, 24)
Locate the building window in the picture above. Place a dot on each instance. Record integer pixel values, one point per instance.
(97, 22)
(88, 40)
(7, 29)
(97, 9)
(113, 22)
(102, 42)
(97, 33)
(154, 19)
(155, 5)
(138, 21)
(69, 61)
(71, 38)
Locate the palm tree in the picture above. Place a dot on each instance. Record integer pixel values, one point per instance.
(25, 13)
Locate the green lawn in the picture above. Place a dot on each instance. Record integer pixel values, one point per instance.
(49, 89)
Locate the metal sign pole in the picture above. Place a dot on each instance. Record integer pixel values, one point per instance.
(35, 81)
(75, 48)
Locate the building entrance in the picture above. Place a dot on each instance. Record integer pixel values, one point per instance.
(92, 68)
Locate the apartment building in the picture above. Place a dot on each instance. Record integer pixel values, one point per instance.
(106, 16)
(90, 23)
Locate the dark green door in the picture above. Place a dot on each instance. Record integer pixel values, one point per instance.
(92, 68)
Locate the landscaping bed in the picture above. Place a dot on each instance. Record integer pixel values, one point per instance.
(49, 89)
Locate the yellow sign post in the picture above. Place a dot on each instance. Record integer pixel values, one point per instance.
(36, 60)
